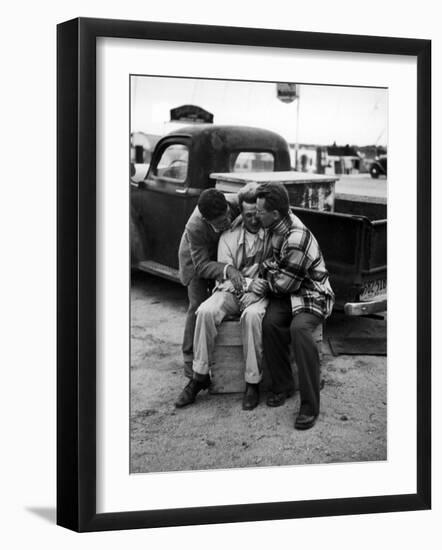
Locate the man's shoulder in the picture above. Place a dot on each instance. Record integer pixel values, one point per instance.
(296, 222)
(195, 221)
(298, 232)
(232, 234)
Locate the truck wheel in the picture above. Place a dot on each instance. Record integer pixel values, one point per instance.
(374, 172)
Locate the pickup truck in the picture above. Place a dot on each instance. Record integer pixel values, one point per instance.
(352, 233)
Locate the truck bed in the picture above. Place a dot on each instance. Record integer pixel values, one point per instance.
(353, 240)
(313, 191)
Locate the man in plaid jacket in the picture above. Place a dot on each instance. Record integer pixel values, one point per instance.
(296, 282)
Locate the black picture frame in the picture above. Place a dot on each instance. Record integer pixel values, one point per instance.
(76, 274)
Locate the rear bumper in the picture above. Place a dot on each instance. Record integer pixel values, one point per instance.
(366, 308)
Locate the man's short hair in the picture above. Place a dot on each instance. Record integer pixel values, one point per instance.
(248, 193)
(212, 203)
(276, 197)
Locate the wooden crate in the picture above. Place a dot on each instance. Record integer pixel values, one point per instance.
(227, 371)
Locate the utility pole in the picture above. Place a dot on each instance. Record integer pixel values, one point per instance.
(287, 92)
(297, 131)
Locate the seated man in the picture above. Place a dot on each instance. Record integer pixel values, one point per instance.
(244, 247)
(198, 267)
(295, 281)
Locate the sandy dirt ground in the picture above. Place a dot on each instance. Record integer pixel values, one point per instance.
(214, 432)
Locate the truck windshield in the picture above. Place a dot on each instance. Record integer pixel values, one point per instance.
(252, 161)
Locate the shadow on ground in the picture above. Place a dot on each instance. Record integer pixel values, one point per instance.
(48, 514)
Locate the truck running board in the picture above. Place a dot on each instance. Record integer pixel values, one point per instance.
(159, 269)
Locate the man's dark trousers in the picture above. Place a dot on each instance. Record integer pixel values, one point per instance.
(280, 329)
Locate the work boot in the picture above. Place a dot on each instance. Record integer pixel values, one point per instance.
(188, 395)
(306, 418)
(251, 397)
(305, 421)
(278, 399)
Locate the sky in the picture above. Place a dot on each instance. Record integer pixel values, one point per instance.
(327, 114)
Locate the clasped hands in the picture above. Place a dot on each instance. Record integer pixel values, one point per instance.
(256, 291)
(257, 286)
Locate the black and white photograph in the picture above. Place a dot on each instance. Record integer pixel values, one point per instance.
(221, 327)
(258, 261)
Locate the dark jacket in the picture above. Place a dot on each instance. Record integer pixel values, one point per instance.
(199, 244)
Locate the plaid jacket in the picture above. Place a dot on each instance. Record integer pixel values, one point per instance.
(297, 268)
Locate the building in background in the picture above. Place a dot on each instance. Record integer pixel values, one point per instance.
(335, 159)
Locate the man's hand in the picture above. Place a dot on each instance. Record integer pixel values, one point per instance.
(236, 277)
(248, 299)
(259, 286)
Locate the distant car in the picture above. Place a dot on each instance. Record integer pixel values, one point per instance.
(379, 167)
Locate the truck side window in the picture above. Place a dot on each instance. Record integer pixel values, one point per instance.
(173, 163)
(252, 161)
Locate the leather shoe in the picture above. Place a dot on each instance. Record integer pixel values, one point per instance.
(278, 399)
(251, 397)
(188, 395)
(305, 421)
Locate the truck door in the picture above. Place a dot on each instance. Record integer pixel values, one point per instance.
(162, 203)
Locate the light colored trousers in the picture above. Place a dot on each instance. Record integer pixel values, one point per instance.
(210, 315)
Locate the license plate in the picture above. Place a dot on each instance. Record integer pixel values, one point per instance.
(372, 289)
